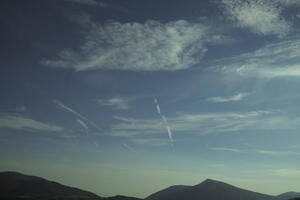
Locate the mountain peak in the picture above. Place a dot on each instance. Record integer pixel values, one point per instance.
(211, 181)
(121, 197)
(288, 195)
(209, 189)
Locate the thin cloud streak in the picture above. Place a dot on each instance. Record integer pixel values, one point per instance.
(115, 102)
(170, 134)
(157, 142)
(74, 112)
(237, 97)
(24, 123)
(84, 125)
(278, 153)
(276, 60)
(206, 123)
(285, 172)
(129, 148)
(225, 149)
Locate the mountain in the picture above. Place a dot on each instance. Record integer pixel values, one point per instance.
(119, 197)
(296, 198)
(208, 190)
(17, 186)
(288, 195)
(13, 184)
(168, 192)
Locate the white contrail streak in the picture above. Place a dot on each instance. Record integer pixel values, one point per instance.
(61, 105)
(84, 125)
(81, 120)
(164, 119)
(170, 135)
(74, 112)
(129, 148)
(96, 144)
(157, 107)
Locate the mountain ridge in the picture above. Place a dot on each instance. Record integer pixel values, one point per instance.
(17, 186)
(288, 195)
(211, 190)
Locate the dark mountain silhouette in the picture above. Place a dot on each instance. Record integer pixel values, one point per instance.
(296, 198)
(119, 197)
(208, 190)
(15, 186)
(288, 195)
(168, 192)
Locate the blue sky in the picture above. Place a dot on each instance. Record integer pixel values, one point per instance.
(128, 97)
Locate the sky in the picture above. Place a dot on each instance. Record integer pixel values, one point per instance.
(129, 97)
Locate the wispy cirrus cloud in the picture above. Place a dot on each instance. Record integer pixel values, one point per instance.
(129, 148)
(151, 141)
(17, 109)
(206, 123)
(220, 122)
(149, 46)
(262, 17)
(278, 153)
(236, 97)
(129, 127)
(83, 125)
(76, 113)
(289, 2)
(225, 149)
(285, 172)
(271, 61)
(164, 119)
(115, 102)
(19, 122)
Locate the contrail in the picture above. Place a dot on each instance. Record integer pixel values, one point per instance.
(96, 144)
(157, 107)
(170, 135)
(81, 120)
(86, 128)
(164, 119)
(84, 125)
(74, 112)
(129, 148)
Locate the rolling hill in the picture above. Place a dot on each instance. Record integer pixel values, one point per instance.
(288, 195)
(17, 186)
(208, 190)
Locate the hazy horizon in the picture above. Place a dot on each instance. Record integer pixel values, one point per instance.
(130, 97)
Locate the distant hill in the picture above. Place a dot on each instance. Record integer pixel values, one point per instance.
(119, 197)
(17, 186)
(169, 192)
(208, 190)
(288, 195)
(296, 198)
